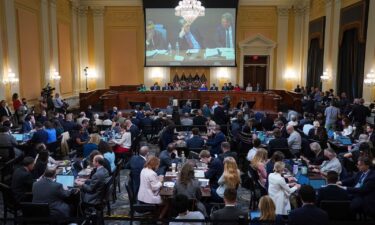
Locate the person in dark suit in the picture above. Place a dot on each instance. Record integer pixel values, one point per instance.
(167, 157)
(154, 38)
(230, 211)
(277, 142)
(225, 148)
(214, 88)
(196, 141)
(135, 165)
(199, 119)
(167, 136)
(146, 121)
(220, 117)
(267, 122)
(189, 38)
(360, 112)
(4, 109)
(132, 128)
(46, 190)
(40, 136)
(155, 87)
(361, 187)
(370, 133)
(215, 168)
(215, 141)
(22, 180)
(308, 214)
(332, 192)
(92, 189)
(225, 32)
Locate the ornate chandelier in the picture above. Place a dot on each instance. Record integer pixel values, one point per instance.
(190, 10)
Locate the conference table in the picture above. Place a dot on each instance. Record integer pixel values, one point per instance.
(263, 101)
(190, 57)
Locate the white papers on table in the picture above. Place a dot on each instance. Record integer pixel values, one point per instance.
(192, 51)
(156, 52)
(198, 173)
(178, 58)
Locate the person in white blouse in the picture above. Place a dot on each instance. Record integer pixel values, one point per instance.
(279, 190)
(124, 144)
(347, 128)
(150, 183)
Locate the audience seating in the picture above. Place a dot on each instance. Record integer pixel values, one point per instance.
(6, 171)
(256, 190)
(36, 213)
(6, 154)
(9, 203)
(338, 210)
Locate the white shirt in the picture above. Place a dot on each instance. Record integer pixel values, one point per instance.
(195, 215)
(306, 128)
(347, 131)
(149, 187)
(279, 191)
(249, 89)
(125, 141)
(251, 154)
(230, 36)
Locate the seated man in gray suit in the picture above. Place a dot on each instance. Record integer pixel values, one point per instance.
(46, 190)
(92, 189)
(230, 212)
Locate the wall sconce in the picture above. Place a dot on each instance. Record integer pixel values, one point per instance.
(11, 78)
(290, 75)
(325, 76)
(55, 75)
(89, 74)
(370, 79)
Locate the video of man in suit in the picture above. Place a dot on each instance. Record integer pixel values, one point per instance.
(207, 41)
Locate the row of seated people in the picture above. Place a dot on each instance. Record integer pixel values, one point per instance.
(178, 87)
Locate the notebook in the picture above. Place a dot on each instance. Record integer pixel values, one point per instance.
(344, 140)
(65, 180)
(318, 183)
(254, 214)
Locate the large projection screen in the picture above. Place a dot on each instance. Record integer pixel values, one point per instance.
(208, 41)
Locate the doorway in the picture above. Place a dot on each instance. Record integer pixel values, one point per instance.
(255, 70)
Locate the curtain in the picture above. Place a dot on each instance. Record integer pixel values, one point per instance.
(314, 64)
(351, 64)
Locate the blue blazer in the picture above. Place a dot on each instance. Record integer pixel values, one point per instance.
(215, 143)
(195, 142)
(26, 127)
(135, 165)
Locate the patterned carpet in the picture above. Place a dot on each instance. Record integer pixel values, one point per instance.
(121, 207)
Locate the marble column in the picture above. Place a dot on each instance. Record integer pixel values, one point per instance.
(335, 42)
(12, 45)
(282, 45)
(75, 47)
(55, 47)
(327, 60)
(98, 14)
(83, 47)
(46, 41)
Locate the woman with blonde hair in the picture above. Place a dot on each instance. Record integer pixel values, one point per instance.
(258, 163)
(279, 190)
(150, 183)
(91, 145)
(230, 178)
(267, 210)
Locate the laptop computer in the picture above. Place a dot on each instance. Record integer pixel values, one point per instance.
(318, 183)
(66, 180)
(254, 214)
(345, 140)
(302, 179)
(18, 137)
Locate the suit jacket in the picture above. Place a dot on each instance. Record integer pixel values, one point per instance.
(7, 140)
(332, 193)
(48, 191)
(195, 142)
(40, 136)
(134, 131)
(158, 42)
(135, 165)
(149, 187)
(215, 143)
(229, 154)
(155, 88)
(165, 162)
(277, 143)
(366, 192)
(199, 120)
(214, 172)
(308, 215)
(219, 116)
(220, 37)
(93, 189)
(184, 45)
(214, 88)
(228, 213)
(22, 182)
(5, 111)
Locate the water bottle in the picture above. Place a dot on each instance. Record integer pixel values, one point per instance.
(295, 169)
(183, 158)
(169, 49)
(177, 48)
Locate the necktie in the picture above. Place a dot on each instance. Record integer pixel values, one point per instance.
(189, 41)
(227, 38)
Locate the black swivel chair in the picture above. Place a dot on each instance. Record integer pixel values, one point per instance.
(9, 203)
(338, 210)
(36, 213)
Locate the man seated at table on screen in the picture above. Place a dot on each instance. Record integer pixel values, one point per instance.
(154, 38)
